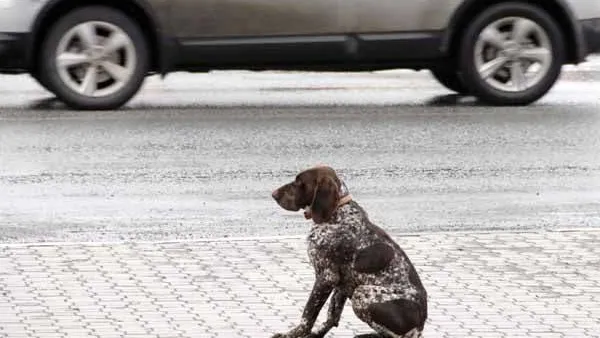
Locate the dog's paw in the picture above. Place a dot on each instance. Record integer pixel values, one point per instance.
(287, 335)
(317, 334)
(299, 332)
(282, 335)
(314, 335)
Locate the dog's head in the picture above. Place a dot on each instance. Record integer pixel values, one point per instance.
(317, 188)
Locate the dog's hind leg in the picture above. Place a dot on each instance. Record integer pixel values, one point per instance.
(412, 334)
(399, 318)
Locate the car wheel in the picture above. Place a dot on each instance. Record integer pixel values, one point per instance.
(511, 54)
(36, 76)
(94, 58)
(450, 79)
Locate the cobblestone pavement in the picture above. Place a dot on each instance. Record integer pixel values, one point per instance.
(497, 284)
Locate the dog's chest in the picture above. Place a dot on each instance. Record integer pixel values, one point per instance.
(335, 242)
(328, 240)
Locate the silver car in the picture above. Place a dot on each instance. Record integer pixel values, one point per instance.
(96, 54)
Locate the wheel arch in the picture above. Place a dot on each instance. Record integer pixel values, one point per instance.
(558, 9)
(139, 10)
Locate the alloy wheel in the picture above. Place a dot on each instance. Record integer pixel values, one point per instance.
(95, 58)
(513, 54)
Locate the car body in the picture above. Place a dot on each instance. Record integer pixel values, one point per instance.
(327, 35)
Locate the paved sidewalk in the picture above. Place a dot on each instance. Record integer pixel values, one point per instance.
(498, 284)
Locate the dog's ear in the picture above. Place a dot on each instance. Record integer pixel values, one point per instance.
(325, 199)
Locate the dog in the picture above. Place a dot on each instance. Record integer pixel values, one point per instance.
(353, 259)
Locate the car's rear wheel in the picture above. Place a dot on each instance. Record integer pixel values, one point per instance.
(511, 54)
(449, 78)
(94, 57)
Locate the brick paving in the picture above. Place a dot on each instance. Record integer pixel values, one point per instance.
(496, 284)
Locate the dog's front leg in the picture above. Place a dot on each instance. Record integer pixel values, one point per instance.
(318, 296)
(336, 306)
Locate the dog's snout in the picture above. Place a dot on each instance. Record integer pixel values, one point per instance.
(275, 194)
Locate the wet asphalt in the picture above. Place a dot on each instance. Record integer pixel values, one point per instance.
(198, 156)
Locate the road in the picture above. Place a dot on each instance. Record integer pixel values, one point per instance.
(198, 155)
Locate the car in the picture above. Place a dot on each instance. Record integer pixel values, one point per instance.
(95, 54)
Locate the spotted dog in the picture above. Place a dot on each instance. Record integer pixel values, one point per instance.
(353, 259)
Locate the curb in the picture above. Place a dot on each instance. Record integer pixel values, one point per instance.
(294, 237)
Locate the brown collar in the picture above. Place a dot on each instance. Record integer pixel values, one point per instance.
(344, 200)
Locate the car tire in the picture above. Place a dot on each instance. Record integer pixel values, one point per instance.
(450, 79)
(94, 58)
(502, 44)
(39, 80)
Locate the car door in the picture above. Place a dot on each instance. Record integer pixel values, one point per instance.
(260, 30)
(400, 29)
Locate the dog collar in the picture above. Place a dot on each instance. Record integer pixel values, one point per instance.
(345, 196)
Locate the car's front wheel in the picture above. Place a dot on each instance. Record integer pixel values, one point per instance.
(94, 57)
(449, 78)
(511, 54)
